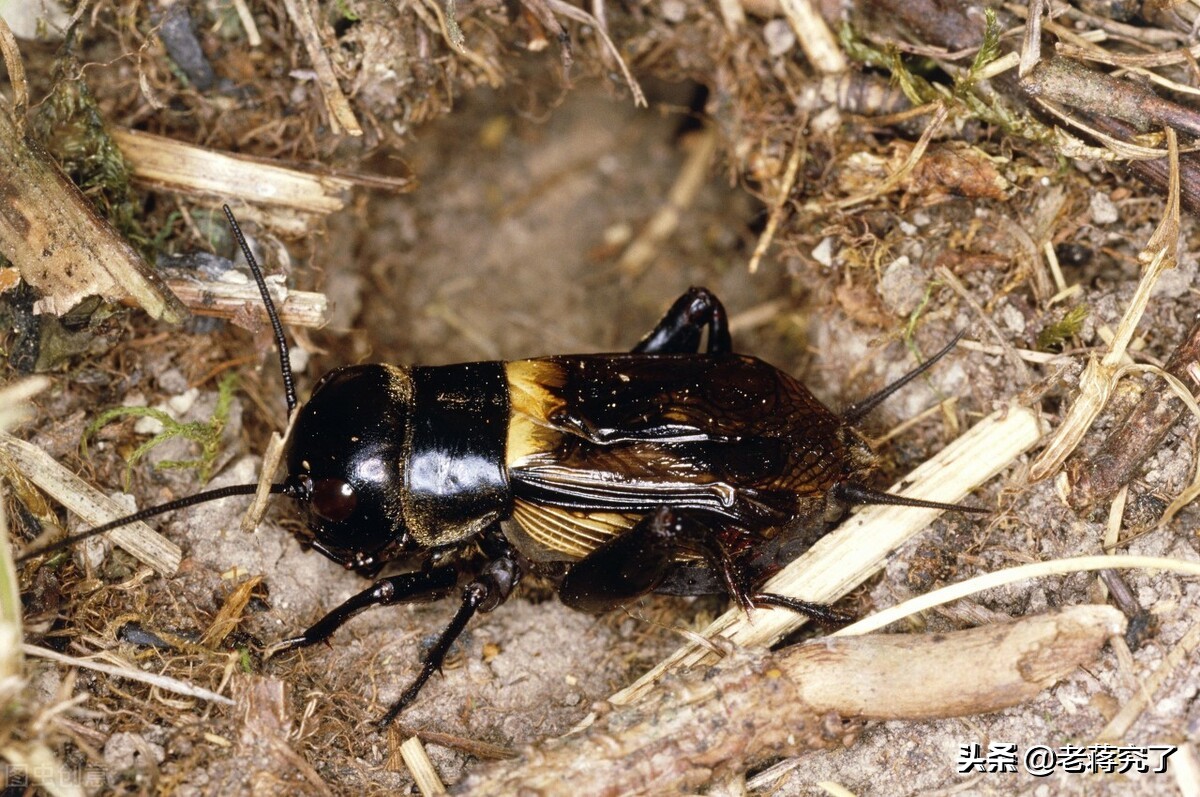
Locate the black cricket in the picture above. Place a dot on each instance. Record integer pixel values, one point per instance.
(666, 469)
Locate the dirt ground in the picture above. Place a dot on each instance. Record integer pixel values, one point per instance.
(529, 195)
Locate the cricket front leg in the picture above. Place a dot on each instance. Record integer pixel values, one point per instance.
(404, 588)
(493, 585)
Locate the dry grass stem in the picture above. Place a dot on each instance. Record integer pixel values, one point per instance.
(998, 67)
(14, 408)
(230, 615)
(248, 23)
(781, 198)
(1128, 60)
(1018, 363)
(1123, 720)
(132, 673)
(272, 457)
(418, 763)
(222, 299)
(16, 75)
(143, 542)
(341, 117)
(32, 756)
(186, 168)
(14, 400)
(642, 251)
(579, 15)
(38, 762)
(818, 42)
(1012, 575)
(1101, 375)
(1031, 45)
(453, 36)
(732, 14)
(1028, 355)
(1113, 149)
(897, 178)
(1185, 766)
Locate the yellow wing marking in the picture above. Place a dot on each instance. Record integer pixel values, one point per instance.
(567, 532)
(532, 398)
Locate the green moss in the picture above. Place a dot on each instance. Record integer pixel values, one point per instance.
(1053, 335)
(206, 434)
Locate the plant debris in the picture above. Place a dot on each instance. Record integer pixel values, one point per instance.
(446, 181)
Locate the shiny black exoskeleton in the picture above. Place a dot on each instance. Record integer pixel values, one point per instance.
(665, 469)
(662, 470)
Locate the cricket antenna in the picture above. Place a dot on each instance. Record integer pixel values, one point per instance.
(859, 410)
(285, 362)
(149, 512)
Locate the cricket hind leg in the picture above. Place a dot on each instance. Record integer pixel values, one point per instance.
(639, 561)
(679, 330)
(701, 579)
(706, 577)
(645, 558)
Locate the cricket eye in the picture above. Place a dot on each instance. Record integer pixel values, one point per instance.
(333, 499)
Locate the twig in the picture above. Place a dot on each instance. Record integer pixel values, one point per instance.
(146, 544)
(63, 249)
(341, 117)
(818, 43)
(716, 723)
(1077, 86)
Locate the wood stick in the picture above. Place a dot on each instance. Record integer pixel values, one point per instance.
(186, 168)
(341, 117)
(719, 721)
(61, 246)
(227, 299)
